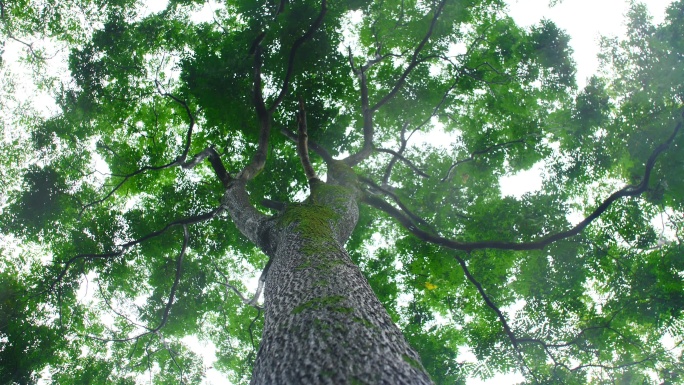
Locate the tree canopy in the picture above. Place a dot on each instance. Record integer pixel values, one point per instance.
(118, 252)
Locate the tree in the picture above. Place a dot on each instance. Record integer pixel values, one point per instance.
(286, 140)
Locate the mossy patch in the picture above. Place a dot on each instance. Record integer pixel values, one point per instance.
(413, 362)
(313, 223)
(365, 322)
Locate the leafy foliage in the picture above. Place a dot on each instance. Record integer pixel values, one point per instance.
(118, 253)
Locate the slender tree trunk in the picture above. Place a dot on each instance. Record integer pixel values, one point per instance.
(323, 323)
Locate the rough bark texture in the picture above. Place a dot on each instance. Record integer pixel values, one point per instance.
(323, 323)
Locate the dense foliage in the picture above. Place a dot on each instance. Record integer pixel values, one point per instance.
(117, 254)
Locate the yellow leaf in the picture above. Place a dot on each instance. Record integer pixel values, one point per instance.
(430, 286)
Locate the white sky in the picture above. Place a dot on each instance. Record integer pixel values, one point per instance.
(585, 21)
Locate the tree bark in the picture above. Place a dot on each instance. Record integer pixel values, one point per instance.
(323, 323)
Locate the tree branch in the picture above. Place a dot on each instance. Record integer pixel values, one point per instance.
(367, 111)
(415, 219)
(263, 116)
(126, 246)
(402, 146)
(293, 51)
(188, 135)
(414, 60)
(403, 159)
(475, 153)
(492, 305)
(214, 160)
(251, 302)
(251, 223)
(628, 191)
(318, 149)
(169, 302)
(302, 143)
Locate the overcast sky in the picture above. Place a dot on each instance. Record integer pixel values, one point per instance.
(585, 21)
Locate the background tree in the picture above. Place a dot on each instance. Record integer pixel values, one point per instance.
(130, 230)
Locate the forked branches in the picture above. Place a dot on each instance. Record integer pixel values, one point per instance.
(264, 113)
(303, 143)
(549, 348)
(121, 249)
(181, 160)
(367, 109)
(169, 302)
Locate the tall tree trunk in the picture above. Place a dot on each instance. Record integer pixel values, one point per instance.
(323, 323)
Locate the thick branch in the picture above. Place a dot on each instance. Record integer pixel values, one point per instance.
(264, 114)
(368, 129)
(214, 160)
(250, 222)
(628, 191)
(302, 143)
(263, 117)
(318, 149)
(367, 110)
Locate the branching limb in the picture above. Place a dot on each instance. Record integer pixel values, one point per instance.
(403, 159)
(402, 147)
(251, 302)
(251, 223)
(318, 149)
(628, 191)
(264, 114)
(368, 129)
(302, 143)
(415, 219)
(404, 139)
(181, 160)
(414, 60)
(126, 246)
(293, 51)
(191, 125)
(492, 305)
(474, 154)
(169, 302)
(209, 152)
(272, 204)
(366, 108)
(214, 160)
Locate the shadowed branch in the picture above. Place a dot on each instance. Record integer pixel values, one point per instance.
(169, 302)
(627, 191)
(126, 246)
